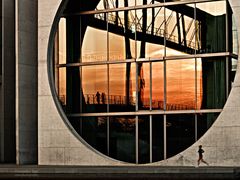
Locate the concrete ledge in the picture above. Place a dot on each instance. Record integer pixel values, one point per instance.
(122, 172)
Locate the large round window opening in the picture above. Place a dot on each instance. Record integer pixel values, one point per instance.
(142, 80)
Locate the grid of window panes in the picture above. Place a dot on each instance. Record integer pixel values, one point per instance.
(141, 81)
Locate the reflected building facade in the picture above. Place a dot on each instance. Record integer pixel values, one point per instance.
(141, 81)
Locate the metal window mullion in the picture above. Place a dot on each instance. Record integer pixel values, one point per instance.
(165, 93)
(164, 136)
(136, 84)
(150, 131)
(227, 49)
(150, 120)
(136, 139)
(196, 127)
(108, 91)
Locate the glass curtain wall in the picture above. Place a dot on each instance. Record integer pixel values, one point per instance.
(141, 81)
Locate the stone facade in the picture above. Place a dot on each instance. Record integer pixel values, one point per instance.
(59, 145)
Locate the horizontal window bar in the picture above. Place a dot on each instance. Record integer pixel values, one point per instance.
(221, 54)
(138, 7)
(145, 112)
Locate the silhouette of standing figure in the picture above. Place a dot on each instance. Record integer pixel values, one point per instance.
(200, 153)
(98, 97)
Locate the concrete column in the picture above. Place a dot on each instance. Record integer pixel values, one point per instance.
(26, 81)
(7, 90)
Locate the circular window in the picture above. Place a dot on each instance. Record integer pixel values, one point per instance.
(143, 83)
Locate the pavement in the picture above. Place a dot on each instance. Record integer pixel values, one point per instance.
(138, 172)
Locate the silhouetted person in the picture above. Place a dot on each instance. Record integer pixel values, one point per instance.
(200, 153)
(103, 98)
(98, 97)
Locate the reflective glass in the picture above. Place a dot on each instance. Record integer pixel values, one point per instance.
(234, 37)
(180, 133)
(143, 139)
(94, 31)
(61, 38)
(180, 30)
(157, 138)
(150, 32)
(121, 35)
(213, 82)
(61, 90)
(94, 131)
(122, 87)
(94, 87)
(157, 85)
(212, 32)
(180, 84)
(143, 86)
(204, 122)
(122, 138)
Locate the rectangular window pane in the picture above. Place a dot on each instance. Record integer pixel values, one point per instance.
(213, 82)
(122, 138)
(157, 85)
(143, 86)
(150, 32)
(204, 122)
(180, 133)
(180, 30)
(61, 87)
(143, 139)
(180, 84)
(94, 87)
(94, 33)
(122, 87)
(157, 138)
(212, 32)
(94, 132)
(121, 34)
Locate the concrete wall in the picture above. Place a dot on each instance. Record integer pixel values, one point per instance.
(58, 145)
(26, 81)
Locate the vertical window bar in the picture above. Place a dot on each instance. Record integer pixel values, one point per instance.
(150, 131)
(136, 139)
(164, 136)
(108, 86)
(227, 49)
(196, 128)
(150, 120)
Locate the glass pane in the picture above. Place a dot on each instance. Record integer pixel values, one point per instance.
(204, 122)
(157, 85)
(233, 68)
(180, 30)
(157, 138)
(143, 139)
(94, 31)
(94, 87)
(94, 131)
(212, 32)
(73, 90)
(122, 87)
(150, 32)
(122, 138)
(62, 86)
(61, 36)
(180, 133)
(234, 37)
(181, 84)
(143, 86)
(121, 35)
(213, 82)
